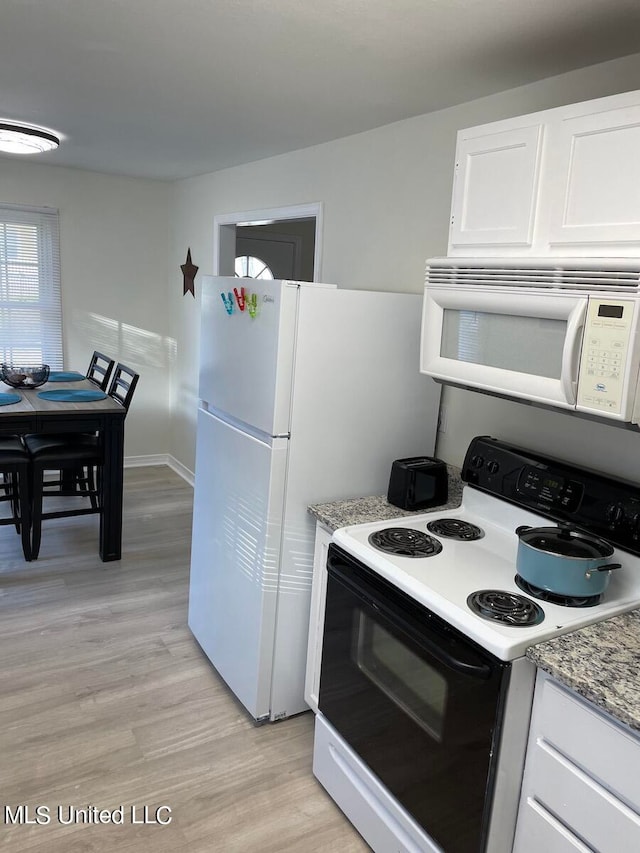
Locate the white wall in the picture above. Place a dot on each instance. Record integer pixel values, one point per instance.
(113, 241)
(386, 196)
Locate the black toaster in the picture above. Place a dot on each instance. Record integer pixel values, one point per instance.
(418, 482)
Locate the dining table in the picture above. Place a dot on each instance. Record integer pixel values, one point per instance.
(33, 414)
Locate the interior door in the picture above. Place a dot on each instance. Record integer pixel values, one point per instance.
(235, 555)
(279, 252)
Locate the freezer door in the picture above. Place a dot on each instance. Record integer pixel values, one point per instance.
(235, 555)
(246, 362)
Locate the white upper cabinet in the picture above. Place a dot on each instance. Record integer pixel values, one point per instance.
(596, 179)
(495, 188)
(563, 182)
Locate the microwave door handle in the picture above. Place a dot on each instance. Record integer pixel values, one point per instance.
(571, 353)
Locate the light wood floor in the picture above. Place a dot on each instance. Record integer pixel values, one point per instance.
(106, 700)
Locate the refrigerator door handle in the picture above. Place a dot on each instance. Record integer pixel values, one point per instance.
(264, 437)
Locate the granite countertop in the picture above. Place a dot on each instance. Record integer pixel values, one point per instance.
(376, 507)
(600, 662)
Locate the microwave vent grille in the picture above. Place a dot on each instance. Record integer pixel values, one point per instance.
(605, 277)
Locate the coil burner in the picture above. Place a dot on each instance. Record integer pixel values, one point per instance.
(510, 608)
(455, 528)
(556, 597)
(405, 542)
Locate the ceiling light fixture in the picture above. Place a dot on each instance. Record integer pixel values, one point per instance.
(24, 139)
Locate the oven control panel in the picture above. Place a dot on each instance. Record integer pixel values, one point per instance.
(549, 489)
(605, 506)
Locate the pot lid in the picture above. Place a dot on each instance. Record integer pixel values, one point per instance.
(565, 542)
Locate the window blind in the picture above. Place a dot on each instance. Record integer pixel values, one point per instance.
(30, 301)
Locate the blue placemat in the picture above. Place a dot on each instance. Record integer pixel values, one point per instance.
(71, 395)
(6, 398)
(65, 376)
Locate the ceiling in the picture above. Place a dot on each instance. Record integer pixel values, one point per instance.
(172, 88)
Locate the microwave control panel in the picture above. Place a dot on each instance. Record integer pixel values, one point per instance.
(609, 333)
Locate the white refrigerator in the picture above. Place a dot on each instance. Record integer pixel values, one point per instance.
(306, 396)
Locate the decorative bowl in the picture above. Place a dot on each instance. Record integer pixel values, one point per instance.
(27, 376)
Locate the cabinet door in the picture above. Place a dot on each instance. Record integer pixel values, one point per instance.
(316, 617)
(594, 181)
(539, 830)
(579, 789)
(587, 809)
(495, 189)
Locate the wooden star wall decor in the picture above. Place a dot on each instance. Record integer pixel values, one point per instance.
(189, 270)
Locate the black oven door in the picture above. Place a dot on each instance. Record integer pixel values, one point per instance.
(416, 700)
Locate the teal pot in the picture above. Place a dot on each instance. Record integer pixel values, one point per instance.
(564, 560)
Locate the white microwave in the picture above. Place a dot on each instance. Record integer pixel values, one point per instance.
(555, 332)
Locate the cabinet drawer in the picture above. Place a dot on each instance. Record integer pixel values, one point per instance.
(12, 424)
(539, 830)
(600, 746)
(584, 807)
(79, 423)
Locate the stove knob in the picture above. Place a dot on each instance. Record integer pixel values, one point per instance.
(477, 461)
(493, 467)
(635, 525)
(615, 514)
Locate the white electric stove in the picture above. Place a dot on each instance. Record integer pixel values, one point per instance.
(424, 678)
(443, 581)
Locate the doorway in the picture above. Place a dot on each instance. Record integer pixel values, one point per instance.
(274, 243)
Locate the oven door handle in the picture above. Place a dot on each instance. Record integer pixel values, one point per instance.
(474, 670)
(440, 653)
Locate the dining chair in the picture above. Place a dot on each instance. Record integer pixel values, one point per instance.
(14, 468)
(98, 373)
(71, 452)
(99, 370)
(121, 389)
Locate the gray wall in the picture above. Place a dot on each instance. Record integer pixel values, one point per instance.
(386, 197)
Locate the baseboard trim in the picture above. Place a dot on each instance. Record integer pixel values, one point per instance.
(144, 461)
(160, 459)
(181, 469)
